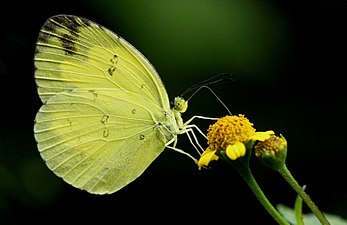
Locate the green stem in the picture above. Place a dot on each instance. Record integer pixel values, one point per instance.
(242, 166)
(298, 210)
(294, 184)
(252, 183)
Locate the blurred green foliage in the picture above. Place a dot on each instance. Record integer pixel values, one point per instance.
(247, 37)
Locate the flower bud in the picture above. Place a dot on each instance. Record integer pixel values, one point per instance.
(272, 152)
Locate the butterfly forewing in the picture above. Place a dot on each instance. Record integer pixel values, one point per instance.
(73, 52)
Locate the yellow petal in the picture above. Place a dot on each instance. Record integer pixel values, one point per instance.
(261, 136)
(236, 150)
(207, 156)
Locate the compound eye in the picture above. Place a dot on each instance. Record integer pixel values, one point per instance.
(180, 104)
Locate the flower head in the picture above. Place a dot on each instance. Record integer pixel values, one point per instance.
(230, 134)
(272, 151)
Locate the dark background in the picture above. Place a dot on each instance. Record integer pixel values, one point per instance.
(288, 65)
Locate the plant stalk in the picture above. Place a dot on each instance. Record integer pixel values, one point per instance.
(294, 184)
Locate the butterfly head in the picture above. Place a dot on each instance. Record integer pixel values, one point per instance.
(180, 104)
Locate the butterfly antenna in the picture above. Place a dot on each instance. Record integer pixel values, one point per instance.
(209, 81)
(204, 84)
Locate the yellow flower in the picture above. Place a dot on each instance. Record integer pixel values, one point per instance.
(230, 134)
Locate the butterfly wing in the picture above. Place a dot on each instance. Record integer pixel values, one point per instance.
(86, 138)
(98, 127)
(73, 52)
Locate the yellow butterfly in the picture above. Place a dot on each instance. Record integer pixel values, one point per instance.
(106, 114)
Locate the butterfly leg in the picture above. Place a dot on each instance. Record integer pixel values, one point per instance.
(193, 140)
(198, 117)
(180, 150)
(191, 126)
(196, 141)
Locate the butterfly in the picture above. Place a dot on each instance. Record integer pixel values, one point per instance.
(106, 115)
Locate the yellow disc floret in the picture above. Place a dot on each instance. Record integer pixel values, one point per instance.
(228, 130)
(272, 152)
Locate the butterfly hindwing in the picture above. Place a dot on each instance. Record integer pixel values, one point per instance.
(91, 143)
